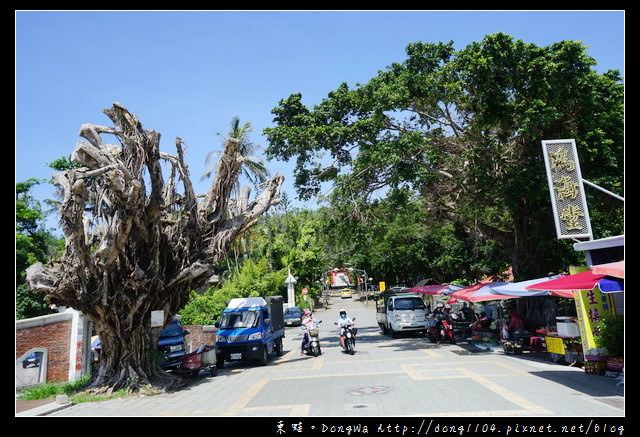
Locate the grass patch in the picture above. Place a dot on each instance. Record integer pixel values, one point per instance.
(71, 389)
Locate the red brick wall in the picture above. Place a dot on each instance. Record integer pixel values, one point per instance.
(55, 337)
(197, 336)
(53, 333)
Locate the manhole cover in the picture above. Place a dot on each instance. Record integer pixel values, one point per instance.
(369, 390)
(349, 407)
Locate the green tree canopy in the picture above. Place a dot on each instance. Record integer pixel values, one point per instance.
(33, 244)
(462, 130)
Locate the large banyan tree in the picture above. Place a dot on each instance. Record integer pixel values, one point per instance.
(137, 243)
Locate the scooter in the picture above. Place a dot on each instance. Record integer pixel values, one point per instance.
(348, 336)
(192, 362)
(313, 345)
(440, 329)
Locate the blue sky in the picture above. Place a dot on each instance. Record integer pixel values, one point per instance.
(188, 73)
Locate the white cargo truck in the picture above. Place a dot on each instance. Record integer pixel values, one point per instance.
(401, 311)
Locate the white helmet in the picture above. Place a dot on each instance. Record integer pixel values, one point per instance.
(440, 305)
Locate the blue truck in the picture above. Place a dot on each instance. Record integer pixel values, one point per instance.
(250, 329)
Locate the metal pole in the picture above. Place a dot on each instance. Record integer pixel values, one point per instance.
(591, 184)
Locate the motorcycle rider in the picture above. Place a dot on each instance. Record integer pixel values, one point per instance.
(343, 321)
(438, 315)
(307, 322)
(439, 310)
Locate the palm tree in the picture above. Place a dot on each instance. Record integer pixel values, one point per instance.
(252, 166)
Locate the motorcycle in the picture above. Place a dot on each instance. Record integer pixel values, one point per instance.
(440, 329)
(348, 336)
(313, 345)
(192, 362)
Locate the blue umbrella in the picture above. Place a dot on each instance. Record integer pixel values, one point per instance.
(611, 285)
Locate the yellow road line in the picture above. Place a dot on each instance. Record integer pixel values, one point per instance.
(286, 357)
(300, 410)
(245, 398)
(317, 364)
(461, 372)
(432, 353)
(412, 370)
(526, 405)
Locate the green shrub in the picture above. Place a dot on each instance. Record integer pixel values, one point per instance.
(253, 279)
(610, 335)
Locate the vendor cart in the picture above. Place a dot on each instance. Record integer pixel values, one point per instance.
(193, 362)
(209, 359)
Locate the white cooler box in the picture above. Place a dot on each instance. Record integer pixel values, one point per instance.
(567, 328)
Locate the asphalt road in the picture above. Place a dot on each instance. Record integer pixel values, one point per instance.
(407, 376)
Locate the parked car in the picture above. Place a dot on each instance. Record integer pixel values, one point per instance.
(345, 293)
(171, 344)
(31, 360)
(293, 316)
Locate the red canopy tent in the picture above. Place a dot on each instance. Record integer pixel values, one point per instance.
(435, 289)
(565, 285)
(429, 289)
(612, 269)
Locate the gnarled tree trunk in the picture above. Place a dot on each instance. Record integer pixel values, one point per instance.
(136, 243)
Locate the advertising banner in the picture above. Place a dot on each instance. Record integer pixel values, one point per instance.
(591, 306)
(555, 345)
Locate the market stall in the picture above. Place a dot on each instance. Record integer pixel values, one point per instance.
(563, 341)
(569, 340)
(518, 341)
(442, 293)
(484, 331)
(591, 292)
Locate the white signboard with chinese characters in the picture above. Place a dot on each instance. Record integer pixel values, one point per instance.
(569, 204)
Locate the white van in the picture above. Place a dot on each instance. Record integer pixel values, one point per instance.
(406, 312)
